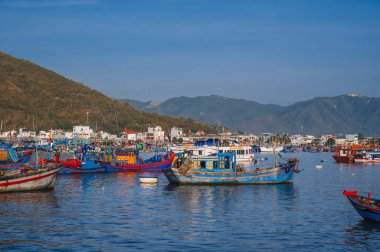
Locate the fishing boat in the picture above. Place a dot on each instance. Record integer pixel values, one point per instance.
(28, 178)
(10, 160)
(85, 165)
(347, 154)
(367, 207)
(222, 168)
(368, 158)
(131, 161)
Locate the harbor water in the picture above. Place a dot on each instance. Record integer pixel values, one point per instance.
(114, 212)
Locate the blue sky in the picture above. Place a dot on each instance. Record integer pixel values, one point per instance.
(267, 51)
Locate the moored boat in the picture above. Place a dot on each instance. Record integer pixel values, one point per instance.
(131, 161)
(28, 179)
(367, 207)
(87, 165)
(368, 158)
(221, 168)
(347, 154)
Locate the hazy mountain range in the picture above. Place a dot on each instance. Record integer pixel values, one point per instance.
(322, 115)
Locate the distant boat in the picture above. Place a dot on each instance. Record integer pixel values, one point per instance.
(131, 161)
(269, 149)
(221, 168)
(368, 158)
(347, 154)
(367, 207)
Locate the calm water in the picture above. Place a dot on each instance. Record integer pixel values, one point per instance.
(97, 212)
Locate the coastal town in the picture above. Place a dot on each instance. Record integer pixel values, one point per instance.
(176, 136)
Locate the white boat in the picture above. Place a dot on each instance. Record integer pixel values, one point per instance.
(368, 157)
(27, 180)
(148, 179)
(195, 150)
(270, 149)
(244, 154)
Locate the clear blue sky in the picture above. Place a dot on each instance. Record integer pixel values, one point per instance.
(267, 51)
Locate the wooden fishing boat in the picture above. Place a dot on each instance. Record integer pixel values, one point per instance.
(221, 168)
(347, 154)
(367, 207)
(86, 165)
(28, 179)
(130, 161)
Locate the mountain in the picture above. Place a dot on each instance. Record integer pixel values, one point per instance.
(322, 115)
(34, 97)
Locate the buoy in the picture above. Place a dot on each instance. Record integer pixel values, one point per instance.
(319, 166)
(148, 179)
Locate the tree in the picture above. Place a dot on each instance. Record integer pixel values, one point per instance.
(330, 142)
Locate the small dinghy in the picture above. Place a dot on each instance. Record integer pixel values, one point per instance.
(148, 179)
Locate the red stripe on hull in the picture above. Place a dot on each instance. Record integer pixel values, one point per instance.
(35, 177)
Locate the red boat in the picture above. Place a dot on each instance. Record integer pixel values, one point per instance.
(129, 161)
(347, 154)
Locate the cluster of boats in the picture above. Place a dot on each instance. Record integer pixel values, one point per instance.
(225, 165)
(180, 165)
(356, 153)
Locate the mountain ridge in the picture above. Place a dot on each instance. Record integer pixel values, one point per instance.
(349, 113)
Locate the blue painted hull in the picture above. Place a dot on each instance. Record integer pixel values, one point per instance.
(277, 175)
(12, 166)
(365, 211)
(68, 170)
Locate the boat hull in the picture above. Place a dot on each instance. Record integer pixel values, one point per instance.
(140, 167)
(69, 170)
(30, 182)
(367, 161)
(343, 159)
(365, 211)
(279, 175)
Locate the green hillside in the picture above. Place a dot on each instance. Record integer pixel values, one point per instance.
(34, 97)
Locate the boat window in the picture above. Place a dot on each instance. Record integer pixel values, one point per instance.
(203, 164)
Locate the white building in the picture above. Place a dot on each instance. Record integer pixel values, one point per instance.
(155, 134)
(25, 133)
(8, 133)
(352, 138)
(176, 132)
(83, 132)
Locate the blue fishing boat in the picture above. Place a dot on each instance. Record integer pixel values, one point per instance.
(10, 160)
(221, 168)
(87, 164)
(367, 207)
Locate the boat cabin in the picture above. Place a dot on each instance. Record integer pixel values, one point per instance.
(218, 162)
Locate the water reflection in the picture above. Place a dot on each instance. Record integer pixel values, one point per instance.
(363, 234)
